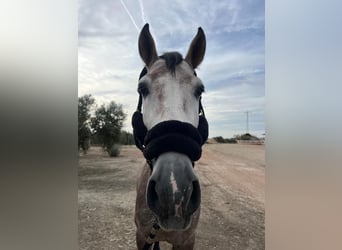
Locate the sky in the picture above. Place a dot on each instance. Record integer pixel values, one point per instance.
(232, 71)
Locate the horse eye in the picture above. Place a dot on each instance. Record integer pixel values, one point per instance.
(143, 90)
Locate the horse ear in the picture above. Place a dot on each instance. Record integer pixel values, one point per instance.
(196, 51)
(147, 48)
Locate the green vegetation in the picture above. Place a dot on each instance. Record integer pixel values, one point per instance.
(126, 138)
(114, 151)
(220, 139)
(107, 124)
(246, 137)
(85, 103)
(243, 137)
(103, 127)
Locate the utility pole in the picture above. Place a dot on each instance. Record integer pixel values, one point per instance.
(247, 125)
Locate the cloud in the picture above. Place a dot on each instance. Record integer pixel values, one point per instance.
(232, 71)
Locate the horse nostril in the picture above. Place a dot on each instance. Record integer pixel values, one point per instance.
(195, 199)
(152, 196)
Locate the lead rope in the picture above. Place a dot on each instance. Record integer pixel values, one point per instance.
(149, 240)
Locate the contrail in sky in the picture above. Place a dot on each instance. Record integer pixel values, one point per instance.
(142, 11)
(130, 16)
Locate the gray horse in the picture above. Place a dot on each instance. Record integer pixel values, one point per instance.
(169, 131)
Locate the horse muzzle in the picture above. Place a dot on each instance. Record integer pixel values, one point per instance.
(173, 191)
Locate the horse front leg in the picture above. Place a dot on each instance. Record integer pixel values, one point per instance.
(140, 240)
(188, 245)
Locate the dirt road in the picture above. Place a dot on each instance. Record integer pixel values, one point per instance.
(232, 179)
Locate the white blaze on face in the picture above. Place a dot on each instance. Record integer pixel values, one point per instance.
(171, 97)
(178, 206)
(173, 185)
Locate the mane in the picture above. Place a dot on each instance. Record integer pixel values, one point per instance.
(172, 59)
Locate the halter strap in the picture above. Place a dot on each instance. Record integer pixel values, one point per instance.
(139, 103)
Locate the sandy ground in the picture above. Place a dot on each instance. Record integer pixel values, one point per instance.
(232, 179)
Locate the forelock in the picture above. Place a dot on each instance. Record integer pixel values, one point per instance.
(172, 59)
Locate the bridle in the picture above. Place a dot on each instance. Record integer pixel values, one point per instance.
(169, 135)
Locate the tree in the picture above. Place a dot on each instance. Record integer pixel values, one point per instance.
(246, 137)
(84, 124)
(126, 138)
(107, 124)
(219, 139)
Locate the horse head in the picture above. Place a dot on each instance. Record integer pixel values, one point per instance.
(170, 128)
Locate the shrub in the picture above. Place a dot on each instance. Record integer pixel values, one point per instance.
(114, 151)
(230, 140)
(85, 145)
(219, 139)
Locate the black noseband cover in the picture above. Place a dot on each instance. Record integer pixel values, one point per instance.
(173, 143)
(173, 136)
(169, 136)
(174, 127)
(203, 128)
